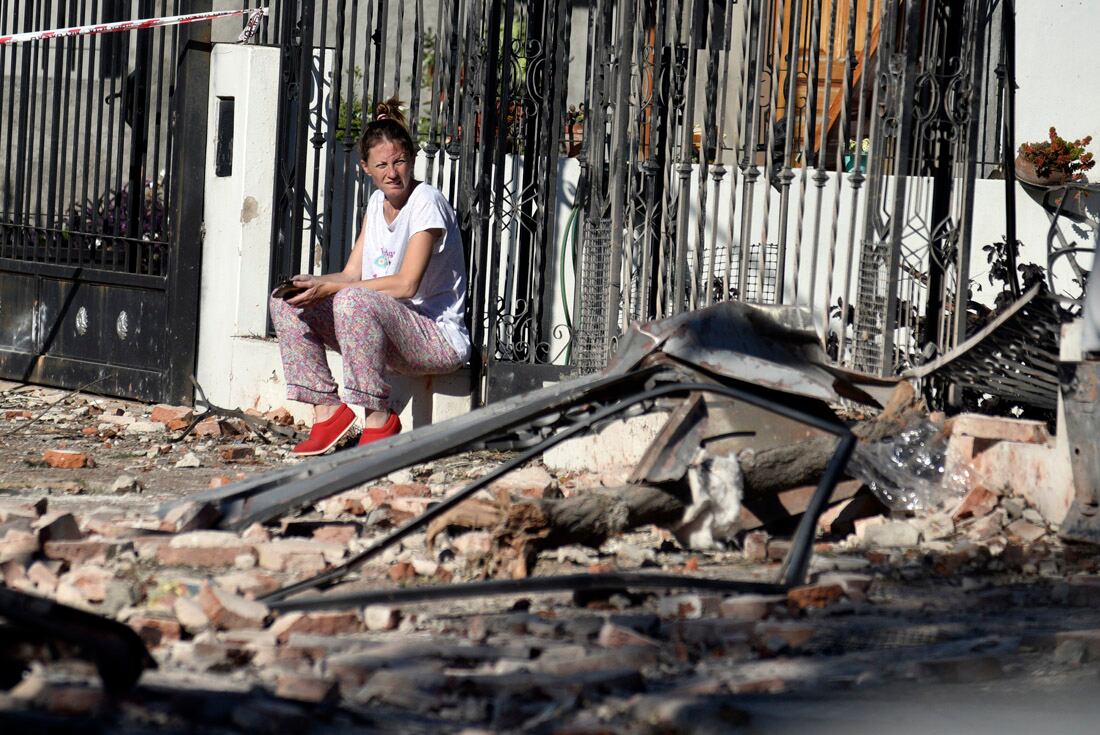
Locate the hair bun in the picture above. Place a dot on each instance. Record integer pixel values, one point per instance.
(390, 110)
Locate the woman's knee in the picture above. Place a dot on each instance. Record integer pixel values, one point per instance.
(356, 303)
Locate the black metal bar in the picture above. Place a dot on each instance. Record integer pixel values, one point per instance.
(1008, 18)
(801, 548)
(189, 131)
(293, 119)
(530, 585)
(138, 101)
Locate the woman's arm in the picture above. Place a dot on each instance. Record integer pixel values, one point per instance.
(401, 285)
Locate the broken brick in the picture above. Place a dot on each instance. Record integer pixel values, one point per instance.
(209, 427)
(67, 459)
(190, 615)
(174, 417)
(1025, 531)
(749, 607)
(298, 555)
(238, 453)
(280, 416)
(203, 549)
(315, 623)
(228, 611)
(18, 545)
(815, 596)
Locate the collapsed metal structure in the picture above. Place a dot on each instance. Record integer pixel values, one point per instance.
(760, 356)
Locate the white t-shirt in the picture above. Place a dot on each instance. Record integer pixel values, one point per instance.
(442, 292)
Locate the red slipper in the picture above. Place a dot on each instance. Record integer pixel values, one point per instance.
(392, 427)
(324, 434)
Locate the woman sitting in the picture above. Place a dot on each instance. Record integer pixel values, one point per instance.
(399, 303)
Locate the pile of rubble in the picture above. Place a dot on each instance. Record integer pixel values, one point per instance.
(599, 661)
(700, 586)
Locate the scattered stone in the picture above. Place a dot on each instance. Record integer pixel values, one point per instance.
(1071, 652)
(891, 534)
(298, 555)
(67, 459)
(381, 617)
(1024, 531)
(219, 481)
(144, 427)
(756, 546)
(188, 461)
(688, 606)
(192, 618)
(126, 484)
(749, 607)
(190, 515)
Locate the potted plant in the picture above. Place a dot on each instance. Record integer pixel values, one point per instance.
(573, 131)
(1054, 161)
(851, 157)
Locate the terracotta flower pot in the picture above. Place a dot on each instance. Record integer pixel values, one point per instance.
(1025, 171)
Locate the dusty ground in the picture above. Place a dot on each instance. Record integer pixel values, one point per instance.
(923, 625)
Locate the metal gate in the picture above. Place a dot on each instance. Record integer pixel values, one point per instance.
(103, 141)
(818, 153)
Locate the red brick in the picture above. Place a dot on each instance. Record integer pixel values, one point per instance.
(180, 551)
(230, 612)
(67, 459)
(89, 580)
(336, 533)
(18, 414)
(219, 481)
(815, 596)
(238, 453)
(209, 427)
(168, 415)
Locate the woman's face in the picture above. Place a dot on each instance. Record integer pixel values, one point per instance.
(390, 167)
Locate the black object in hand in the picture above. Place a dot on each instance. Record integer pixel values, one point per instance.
(286, 289)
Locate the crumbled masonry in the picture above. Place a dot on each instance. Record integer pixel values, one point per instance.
(980, 593)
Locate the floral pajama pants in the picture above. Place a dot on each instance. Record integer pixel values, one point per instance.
(373, 333)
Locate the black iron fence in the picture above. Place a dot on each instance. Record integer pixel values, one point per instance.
(619, 160)
(95, 286)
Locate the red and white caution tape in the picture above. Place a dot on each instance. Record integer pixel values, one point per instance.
(139, 24)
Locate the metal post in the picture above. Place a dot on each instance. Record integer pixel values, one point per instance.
(189, 123)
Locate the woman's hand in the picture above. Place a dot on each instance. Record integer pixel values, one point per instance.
(317, 288)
